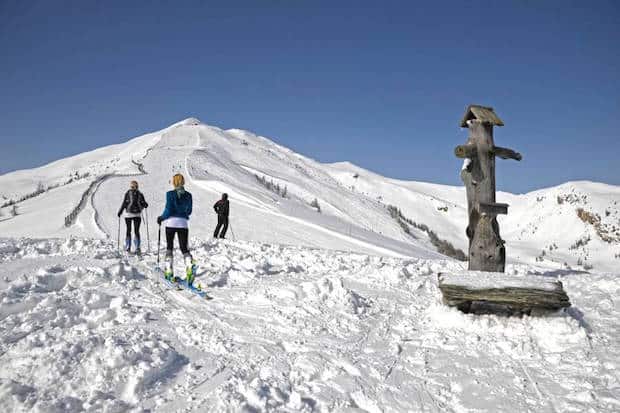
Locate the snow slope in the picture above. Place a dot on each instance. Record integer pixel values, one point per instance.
(214, 161)
(288, 329)
(330, 311)
(542, 226)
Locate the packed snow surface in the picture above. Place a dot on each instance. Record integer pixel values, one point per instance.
(479, 280)
(287, 329)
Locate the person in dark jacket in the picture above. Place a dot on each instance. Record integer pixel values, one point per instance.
(133, 204)
(222, 209)
(176, 217)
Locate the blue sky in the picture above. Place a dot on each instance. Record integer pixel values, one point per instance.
(381, 84)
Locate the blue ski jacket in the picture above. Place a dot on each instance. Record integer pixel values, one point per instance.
(177, 205)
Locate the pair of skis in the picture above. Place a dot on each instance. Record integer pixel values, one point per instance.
(177, 284)
(181, 284)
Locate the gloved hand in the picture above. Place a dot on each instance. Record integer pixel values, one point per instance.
(120, 213)
(159, 220)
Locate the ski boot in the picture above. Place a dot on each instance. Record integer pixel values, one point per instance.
(168, 274)
(127, 245)
(169, 267)
(190, 269)
(136, 244)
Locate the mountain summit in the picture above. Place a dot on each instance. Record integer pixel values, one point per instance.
(279, 196)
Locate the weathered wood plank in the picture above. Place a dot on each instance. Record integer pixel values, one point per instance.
(506, 153)
(466, 151)
(520, 293)
(484, 114)
(493, 208)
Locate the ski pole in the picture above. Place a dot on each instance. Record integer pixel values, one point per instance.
(232, 232)
(158, 242)
(118, 236)
(148, 236)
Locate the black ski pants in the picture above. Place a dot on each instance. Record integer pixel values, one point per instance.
(182, 233)
(136, 226)
(222, 222)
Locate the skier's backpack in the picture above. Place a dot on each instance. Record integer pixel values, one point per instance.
(134, 206)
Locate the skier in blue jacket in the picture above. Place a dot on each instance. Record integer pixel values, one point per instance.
(176, 218)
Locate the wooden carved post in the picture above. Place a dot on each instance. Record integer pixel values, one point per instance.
(486, 248)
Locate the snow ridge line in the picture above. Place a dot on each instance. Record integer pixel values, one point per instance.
(70, 219)
(140, 166)
(90, 192)
(92, 188)
(92, 195)
(97, 218)
(39, 192)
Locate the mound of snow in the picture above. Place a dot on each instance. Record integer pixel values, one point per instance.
(310, 329)
(331, 292)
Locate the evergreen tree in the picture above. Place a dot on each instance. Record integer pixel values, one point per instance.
(315, 204)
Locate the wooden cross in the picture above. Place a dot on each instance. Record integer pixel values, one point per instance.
(486, 248)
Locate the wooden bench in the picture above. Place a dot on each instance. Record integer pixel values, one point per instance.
(488, 292)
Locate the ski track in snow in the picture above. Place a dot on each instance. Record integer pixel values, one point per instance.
(288, 329)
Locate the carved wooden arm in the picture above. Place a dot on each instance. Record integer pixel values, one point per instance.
(470, 151)
(506, 153)
(465, 151)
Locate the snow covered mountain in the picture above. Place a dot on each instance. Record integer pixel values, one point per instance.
(573, 225)
(272, 190)
(347, 317)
